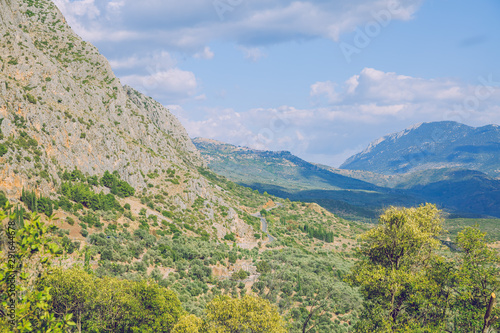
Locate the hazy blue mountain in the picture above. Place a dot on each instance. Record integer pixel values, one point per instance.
(351, 192)
(431, 146)
(285, 175)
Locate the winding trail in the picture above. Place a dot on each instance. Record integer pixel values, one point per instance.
(263, 222)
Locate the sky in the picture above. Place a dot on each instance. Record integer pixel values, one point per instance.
(321, 79)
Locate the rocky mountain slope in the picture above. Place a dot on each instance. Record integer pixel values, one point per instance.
(62, 108)
(430, 146)
(59, 91)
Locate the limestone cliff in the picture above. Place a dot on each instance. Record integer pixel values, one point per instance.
(58, 90)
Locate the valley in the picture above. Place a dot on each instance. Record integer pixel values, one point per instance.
(115, 220)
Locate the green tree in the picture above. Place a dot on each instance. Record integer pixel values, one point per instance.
(249, 314)
(477, 277)
(189, 324)
(25, 256)
(71, 292)
(110, 304)
(395, 257)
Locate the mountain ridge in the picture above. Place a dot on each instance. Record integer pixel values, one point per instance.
(432, 145)
(352, 192)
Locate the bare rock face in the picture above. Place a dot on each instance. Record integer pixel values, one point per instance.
(58, 94)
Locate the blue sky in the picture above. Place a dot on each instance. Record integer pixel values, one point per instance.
(321, 78)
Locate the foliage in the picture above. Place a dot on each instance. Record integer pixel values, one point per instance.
(319, 233)
(409, 286)
(26, 254)
(230, 237)
(117, 186)
(3, 150)
(37, 204)
(81, 193)
(110, 304)
(225, 314)
(189, 324)
(477, 277)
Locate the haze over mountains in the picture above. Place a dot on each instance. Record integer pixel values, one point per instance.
(430, 146)
(448, 163)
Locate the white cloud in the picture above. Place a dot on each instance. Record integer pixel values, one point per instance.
(174, 84)
(252, 54)
(326, 89)
(372, 86)
(192, 24)
(158, 61)
(205, 54)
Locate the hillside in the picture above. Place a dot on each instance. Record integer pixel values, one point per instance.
(60, 96)
(430, 146)
(353, 193)
(125, 194)
(287, 176)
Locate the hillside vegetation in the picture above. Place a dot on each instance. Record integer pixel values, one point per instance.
(111, 221)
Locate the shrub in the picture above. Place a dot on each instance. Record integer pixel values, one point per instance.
(240, 275)
(3, 150)
(37, 204)
(230, 237)
(31, 98)
(117, 186)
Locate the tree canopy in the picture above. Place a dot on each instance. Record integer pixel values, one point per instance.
(410, 286)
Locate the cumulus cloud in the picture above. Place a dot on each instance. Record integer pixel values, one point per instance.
(354, 113)
(324, 89)
(193, 24)
(173, 84)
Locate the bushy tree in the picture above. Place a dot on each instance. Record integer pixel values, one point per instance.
(477, 278)
(249, 314)
(409, 287)
(110, 304)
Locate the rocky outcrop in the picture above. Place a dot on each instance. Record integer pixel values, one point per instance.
(59, 91)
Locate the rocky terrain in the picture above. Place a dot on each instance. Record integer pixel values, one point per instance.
(62, 108)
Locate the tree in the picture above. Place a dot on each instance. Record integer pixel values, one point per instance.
(72, 292)
(395, 257)
(110, 304)
(409, 287)
(252, 314)
(188, 324)
(477, 278)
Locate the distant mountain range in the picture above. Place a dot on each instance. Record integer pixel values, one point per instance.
(434, 175)
(434, 145)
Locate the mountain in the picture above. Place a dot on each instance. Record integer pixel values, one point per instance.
(432, 145)
(287, 176)
(280, 168)
(353, 193)
(468, 193)
(64, 116)
(60, 92)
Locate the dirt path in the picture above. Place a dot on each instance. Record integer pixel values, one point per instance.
(263, 222)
